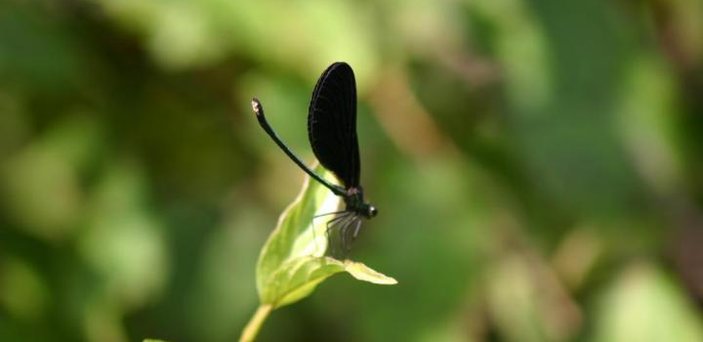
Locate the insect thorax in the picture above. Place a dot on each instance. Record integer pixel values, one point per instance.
(355, 202)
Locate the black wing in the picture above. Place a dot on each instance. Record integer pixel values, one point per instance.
(332, 123)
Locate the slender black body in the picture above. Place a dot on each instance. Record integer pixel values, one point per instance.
(332, 135)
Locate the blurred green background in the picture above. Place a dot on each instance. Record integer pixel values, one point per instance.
(537, 165)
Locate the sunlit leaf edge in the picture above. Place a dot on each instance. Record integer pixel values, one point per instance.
(294, 221)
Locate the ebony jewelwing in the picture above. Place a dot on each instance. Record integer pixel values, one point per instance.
(332, 135)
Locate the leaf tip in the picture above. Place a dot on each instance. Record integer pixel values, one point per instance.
(362, 272)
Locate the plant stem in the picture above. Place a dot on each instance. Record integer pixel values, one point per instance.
(252, 328)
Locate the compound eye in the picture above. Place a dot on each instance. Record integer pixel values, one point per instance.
(372, 211)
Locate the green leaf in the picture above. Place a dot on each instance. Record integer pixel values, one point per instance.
(293, 262)
(297, 278)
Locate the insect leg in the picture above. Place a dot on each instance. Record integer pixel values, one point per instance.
(356, 229)
(336, 232)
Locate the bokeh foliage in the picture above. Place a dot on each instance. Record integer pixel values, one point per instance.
(537, 166)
